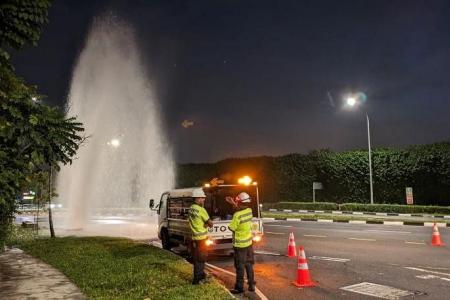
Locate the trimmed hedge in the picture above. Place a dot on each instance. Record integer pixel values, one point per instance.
(387, 208)
(344, 175)
(395, 208)
(302, 205)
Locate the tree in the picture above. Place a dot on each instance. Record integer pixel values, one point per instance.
(32, 135)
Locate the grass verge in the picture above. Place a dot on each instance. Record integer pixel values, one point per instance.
(117, 268)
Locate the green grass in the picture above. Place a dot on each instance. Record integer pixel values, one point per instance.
(117, 268)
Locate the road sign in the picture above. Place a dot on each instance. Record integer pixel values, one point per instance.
(316, 186)
(409, 195)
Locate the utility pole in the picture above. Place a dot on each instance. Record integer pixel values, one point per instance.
(370, 159)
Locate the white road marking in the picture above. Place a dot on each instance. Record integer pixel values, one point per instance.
(274, 232)
(432, 277)
(286, 226)
(313, 235)
(387, 231)
(415, 243)
(377, 290)
(357, 222)
(396, 223)
(358, 239)
(330, 258)
(257, 291)
(268, 253)
(427, 271)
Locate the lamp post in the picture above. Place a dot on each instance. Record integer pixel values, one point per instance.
(351, 102)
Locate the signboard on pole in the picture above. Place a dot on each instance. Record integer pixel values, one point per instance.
(409, 196)
(316, 186)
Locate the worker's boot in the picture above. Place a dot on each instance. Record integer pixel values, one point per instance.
(237, 291)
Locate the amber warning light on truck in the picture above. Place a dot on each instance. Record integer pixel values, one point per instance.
(246, 180)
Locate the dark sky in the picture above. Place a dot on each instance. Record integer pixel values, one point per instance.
(256, 76)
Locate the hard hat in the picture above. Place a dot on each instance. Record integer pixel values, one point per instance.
(198, 193)
(244, 197)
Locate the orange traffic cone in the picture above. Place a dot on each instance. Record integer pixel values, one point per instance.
(291, 251)
(436, 237)
(303, 278)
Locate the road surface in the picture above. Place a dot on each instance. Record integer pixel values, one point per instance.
(343, 255)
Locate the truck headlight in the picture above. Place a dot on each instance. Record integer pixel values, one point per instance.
(257, 238)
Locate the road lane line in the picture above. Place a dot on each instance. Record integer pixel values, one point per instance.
(358, 239)
(427, 271)
(313, 235)
(268, 253)
(387, 231)
(273, 225)
(330, 258)
(274, 232)
(257, 291)
(415, 243)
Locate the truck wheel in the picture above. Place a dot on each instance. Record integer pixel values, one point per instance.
(165, 240)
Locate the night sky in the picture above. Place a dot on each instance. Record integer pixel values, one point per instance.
(269, 77)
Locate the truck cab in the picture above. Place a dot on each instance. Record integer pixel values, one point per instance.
(173, 211)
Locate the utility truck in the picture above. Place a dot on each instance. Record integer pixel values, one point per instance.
(173, 210)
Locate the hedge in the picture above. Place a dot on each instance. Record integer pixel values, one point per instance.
(344, 175)
(386, 208)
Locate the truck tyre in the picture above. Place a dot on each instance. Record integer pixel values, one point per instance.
(165, 240)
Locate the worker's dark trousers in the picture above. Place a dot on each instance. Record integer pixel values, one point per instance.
(244, 259)
(200, 254)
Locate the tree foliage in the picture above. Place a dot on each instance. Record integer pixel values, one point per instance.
(33, 136)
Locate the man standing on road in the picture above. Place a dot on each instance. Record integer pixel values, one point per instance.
(199, 221)
(241, 226)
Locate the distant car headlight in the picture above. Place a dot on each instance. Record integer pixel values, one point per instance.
(209, 242)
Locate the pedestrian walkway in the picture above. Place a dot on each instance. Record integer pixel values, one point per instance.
(25, 277)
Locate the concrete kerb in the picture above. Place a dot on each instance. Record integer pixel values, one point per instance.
(379, 222)
(302, 211)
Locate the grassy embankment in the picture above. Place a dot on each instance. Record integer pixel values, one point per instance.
(117, 268)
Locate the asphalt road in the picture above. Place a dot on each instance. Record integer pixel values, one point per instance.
(341, 255)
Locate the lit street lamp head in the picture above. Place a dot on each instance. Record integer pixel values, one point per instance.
(351, 101)
(114, 142)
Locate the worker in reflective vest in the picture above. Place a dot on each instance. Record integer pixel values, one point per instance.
(241, 226)
(199, 221)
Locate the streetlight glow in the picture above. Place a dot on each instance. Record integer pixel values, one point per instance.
(351, 101)
(114, 142)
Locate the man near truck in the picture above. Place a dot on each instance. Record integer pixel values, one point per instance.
(199, 221)
(241, 226)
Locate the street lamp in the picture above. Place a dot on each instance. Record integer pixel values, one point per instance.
(351, 102)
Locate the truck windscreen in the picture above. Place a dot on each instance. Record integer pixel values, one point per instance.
(219, 209)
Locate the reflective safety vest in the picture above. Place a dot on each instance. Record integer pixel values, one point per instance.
(241, 225)
(197, 219)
